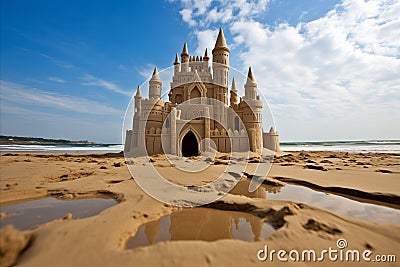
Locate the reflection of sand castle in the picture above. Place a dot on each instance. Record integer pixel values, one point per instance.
(193, 81)
(210, 225)
(242, 188)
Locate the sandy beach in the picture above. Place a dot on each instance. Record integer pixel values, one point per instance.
(101, 239)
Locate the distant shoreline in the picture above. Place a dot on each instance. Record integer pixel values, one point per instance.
(20, 140)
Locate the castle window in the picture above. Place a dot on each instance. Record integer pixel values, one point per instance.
(195, 93)
(236, 123)
(178, 99)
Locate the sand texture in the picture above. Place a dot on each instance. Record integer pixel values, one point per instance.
(100, 240)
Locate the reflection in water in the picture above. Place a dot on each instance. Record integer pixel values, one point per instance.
(331, 202)
(242, 188)
(339, 204)
(202, 224)
(31, 213)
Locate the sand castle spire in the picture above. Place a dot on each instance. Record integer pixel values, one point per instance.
(233, 86)
(177, 65)
(138, 100)
(250, 75)
(221, 42)
(250, 86)
(138, 93)
(155, 85)
(155, 76)
(185, 55)
(185, 49)
(234, 96)
(176, 59)
(205, 57)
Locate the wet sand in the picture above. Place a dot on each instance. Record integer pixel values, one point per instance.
(101, 239)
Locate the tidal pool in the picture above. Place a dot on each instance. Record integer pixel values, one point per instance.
(28, 214)
(331, 202)
(202, 224)
(338, 204)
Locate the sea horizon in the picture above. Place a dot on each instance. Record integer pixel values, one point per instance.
(356, 146)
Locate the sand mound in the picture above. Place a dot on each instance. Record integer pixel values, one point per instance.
(12, 244)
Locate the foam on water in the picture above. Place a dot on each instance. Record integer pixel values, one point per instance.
(379, 146)
(62, 148)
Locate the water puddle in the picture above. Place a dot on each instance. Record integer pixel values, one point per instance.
(32, 213)
(202, 224)
(331, 202)
(338, 204)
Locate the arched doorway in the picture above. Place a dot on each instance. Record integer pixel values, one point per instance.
(190, 145)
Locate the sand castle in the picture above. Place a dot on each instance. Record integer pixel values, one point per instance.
(193, 112)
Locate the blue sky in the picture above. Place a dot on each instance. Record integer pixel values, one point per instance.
(329, 69)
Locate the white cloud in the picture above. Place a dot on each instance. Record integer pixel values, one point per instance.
(122, 67)
(187, 16)
(205, 39)
(333, 69)
(200, 6)
(191, 9)
(94, 81)
(372, 26)
(340, 71)
(56, 79)
(58, 62)
(206, 12)
(216, 15)
(20, 94)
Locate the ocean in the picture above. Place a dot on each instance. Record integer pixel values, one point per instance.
(381, 146)
(103, 148)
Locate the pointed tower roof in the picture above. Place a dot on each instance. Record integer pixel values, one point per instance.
(233, 87)
(271, 130)
(185, 49)
(250, 75)
(221, 42)
(138, 93)
(206, 54)
(176, 59)
(155, 76)
(234, 93)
